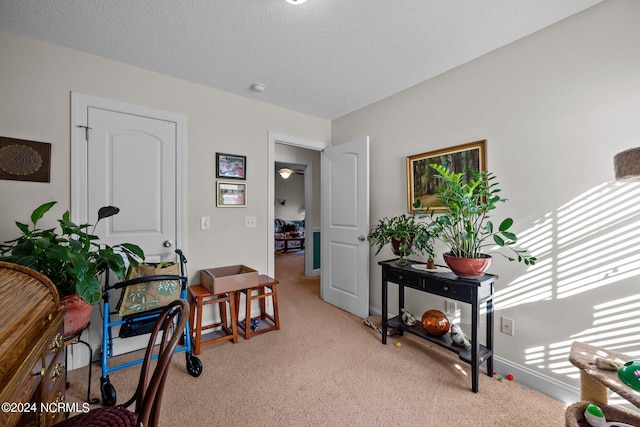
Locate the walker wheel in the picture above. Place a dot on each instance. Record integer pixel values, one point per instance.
(194, 365)
(108, 392)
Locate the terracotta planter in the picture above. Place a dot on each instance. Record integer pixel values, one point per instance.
(468, 268)
(77, 316)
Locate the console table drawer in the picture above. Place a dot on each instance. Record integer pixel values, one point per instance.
(457, 292)
(403, 278)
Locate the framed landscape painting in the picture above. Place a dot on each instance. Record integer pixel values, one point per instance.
(421, 182)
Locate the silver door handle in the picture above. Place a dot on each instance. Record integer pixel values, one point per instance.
(362, 238)
(167, 243)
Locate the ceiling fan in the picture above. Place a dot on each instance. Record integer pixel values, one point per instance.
(286, 171)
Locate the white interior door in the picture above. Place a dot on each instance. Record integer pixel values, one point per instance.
(131, 164)
(345, 224)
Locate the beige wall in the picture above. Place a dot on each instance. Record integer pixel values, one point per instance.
(555, 107)
(37, 79)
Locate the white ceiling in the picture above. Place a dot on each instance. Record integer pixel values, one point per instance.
(325, 58)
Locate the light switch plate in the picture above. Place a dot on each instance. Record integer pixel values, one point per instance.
(249, 222)
(205, 223)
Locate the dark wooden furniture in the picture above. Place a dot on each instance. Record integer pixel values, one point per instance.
(199, 296)
(32, 367)
(448, 285)
(286, 241)
(266, 288)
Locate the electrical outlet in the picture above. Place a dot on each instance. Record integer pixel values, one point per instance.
(205, 223)
(249, 222)
(506, 326)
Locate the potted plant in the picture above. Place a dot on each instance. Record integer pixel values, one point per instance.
(465, 227)
(72, 258)
(405, 234)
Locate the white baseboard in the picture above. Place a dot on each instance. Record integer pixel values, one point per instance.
(537, 381)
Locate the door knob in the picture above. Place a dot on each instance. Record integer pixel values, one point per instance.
(167, 243)
(362, 238)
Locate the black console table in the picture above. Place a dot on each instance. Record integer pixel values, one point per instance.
(474, 292)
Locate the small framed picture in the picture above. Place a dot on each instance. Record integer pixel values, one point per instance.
(231, 194)
(231, 166)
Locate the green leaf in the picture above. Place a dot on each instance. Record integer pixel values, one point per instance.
(511, 236)
(489, 227)
(24, 228)
(38, 213)
(506, 224)
(90, 290)
(135, 249)
(498, 240)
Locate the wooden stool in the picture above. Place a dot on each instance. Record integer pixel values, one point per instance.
(265, 288)
(199, 296)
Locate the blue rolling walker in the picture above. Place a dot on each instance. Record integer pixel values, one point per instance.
(144, 322)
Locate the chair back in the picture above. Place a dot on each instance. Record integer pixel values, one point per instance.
(148, 396)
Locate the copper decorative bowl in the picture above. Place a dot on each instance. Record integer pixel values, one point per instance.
(435, 323)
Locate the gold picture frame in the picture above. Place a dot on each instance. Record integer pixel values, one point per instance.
(421, 182)
(231, 194)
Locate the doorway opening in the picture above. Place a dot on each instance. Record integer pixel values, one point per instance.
(304, 153)
(290, 209)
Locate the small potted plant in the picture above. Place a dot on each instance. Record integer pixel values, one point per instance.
(405, 234)
(465, 227)
(72, 257)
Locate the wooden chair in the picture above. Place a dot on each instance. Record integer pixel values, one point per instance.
(148, 395)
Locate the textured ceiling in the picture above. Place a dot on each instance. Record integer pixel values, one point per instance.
(325, 57)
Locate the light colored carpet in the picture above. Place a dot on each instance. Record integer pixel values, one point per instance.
(326, 368)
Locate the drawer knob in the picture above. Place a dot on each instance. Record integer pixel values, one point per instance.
(401, 277)
(446, 288)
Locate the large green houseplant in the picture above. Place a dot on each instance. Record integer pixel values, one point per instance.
(72, 257)
(465, 227)
(405, 234)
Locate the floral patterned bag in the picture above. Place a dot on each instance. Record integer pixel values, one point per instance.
(142, 297)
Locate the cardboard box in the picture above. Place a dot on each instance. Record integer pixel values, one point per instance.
(221, 280)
